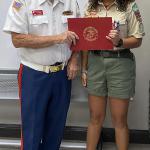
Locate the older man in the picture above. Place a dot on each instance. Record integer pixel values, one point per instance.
(39, 30)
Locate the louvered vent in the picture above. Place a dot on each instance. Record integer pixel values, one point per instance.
(8, 86)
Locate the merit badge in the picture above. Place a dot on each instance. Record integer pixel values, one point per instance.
(37, 12)
(137, 12)
(141, 27)
(17, 5)
(90, 34)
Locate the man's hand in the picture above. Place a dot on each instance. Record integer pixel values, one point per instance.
(68, 37)
(72, 67)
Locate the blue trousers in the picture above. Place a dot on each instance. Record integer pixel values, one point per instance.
(45, 100)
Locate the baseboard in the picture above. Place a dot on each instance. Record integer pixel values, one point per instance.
(79, 134)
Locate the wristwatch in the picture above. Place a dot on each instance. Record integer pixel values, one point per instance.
(120, 43)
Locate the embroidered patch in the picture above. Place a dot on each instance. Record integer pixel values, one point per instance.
(137, 12)
(37, 12)
(135, 7)
(141, 27)
(17, 5)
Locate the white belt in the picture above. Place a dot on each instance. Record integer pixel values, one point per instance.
(42, 68)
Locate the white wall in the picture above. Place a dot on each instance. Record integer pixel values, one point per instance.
(139, 108)
(8, 54)
(138, 113)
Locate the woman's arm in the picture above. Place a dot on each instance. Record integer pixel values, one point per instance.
(129, 42)
(132, 42)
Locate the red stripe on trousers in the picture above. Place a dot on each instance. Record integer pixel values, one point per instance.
(20, 92)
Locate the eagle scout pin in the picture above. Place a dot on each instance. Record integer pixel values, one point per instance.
(17, 5)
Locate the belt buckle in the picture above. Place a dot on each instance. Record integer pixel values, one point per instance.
(56, 68)
(48, 69)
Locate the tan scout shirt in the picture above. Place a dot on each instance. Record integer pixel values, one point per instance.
(130, 21)
(41, 17)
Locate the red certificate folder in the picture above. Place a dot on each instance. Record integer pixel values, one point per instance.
(92, 33)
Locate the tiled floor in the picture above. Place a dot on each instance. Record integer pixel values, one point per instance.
(107, 146)
(70, 145)
(110, 146)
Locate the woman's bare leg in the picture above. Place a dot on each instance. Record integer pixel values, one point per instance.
(97, 107)
(119, 111)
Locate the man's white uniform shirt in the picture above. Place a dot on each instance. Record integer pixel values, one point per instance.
(41, 17)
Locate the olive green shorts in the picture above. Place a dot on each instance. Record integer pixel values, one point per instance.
(112, 77)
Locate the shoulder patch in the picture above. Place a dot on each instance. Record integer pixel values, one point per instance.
(137, 13)
(135, 7)
(17, 4)
(141, 27)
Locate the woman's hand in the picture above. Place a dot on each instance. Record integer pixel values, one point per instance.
(84, 79)
(114, 37)
(84, 63)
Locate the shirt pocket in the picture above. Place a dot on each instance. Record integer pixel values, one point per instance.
(38, 25)
(38, 20)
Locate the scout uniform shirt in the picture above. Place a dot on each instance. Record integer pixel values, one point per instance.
(130, 21)
(41, 17)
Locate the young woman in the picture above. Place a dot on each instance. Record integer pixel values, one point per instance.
(110, 75)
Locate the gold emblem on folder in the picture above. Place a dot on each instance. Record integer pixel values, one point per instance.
(90, 34)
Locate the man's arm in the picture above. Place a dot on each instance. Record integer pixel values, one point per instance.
(35, 41)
